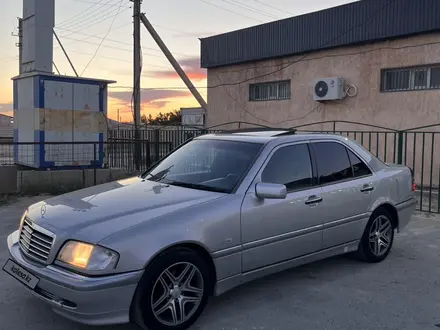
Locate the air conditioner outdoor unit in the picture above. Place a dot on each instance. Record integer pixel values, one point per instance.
(326, 89)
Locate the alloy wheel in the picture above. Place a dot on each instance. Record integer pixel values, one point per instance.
(380, 235)
(177, 293)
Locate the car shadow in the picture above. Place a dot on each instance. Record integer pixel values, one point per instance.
(274, 287)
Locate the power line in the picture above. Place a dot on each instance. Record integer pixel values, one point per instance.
(362, 52)
(91, 13)
(309, 59)
(172, 30)
(156, 88)
(261, 119)
(231, 11)
(121, 42)
(93, 20)
(118, 59)
(305, 56)
(112, 47)
(103, 39)
(90, 36)
(273, 7)
(79, 14)
(252, 68)
(247, 7)
(291, 63)
(127, 7)
(84, 1)
(284, 67)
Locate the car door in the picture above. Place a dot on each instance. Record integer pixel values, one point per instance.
(347, 192)
(275, 230)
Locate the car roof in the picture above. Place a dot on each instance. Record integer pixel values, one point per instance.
(265, 135)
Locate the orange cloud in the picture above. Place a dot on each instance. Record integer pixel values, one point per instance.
(190, 65)
(149, 95)
(193, 75)
(153, 101)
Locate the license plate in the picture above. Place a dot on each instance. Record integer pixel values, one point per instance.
(21, 274)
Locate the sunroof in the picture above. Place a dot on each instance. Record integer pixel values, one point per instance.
(261, 133)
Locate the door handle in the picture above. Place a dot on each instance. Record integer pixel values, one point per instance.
(313, 200)
(366, 188)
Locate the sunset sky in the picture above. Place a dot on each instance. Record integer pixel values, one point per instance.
(83, 24)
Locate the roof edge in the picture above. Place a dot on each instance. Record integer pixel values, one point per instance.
(47, 74)
(367, 42)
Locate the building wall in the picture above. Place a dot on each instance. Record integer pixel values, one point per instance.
(5, 127)
(358, 65)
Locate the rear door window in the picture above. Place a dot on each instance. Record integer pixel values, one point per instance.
(332, 162)
(359, 167)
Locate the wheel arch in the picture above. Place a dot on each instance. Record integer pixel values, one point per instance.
(391, 209)
(135, 312)
(196, 247)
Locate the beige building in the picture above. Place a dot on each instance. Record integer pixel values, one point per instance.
(393, 83)
(375, 64)
(386, 53)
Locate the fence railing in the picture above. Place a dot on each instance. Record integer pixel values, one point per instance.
(416, 148)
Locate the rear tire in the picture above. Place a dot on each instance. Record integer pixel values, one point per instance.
(173, 292)
(378, 237)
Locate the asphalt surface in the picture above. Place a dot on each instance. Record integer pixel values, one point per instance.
(403, 292)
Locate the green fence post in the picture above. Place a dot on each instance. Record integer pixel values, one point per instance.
(400, 147)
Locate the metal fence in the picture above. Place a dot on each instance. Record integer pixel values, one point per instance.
(416, 147)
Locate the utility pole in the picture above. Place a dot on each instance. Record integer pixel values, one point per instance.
(137, 78)
(174, 63)
(20, 45)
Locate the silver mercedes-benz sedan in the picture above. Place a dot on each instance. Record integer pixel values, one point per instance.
(221, 210)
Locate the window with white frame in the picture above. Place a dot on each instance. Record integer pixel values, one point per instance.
(410, 79)
(275, 90)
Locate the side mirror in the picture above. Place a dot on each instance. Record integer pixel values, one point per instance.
(270, 190)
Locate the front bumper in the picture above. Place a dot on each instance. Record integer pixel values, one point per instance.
(88, 300)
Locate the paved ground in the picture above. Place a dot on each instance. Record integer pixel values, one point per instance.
(401, 293)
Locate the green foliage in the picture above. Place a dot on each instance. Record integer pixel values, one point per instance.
(169, 118)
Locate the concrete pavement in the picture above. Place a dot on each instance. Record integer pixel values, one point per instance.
(403, 292)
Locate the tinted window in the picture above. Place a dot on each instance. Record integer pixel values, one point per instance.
(332, 161)
(359, 167)
(206, 164)
(290, 166)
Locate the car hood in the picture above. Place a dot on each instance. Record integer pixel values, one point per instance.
(94, 213)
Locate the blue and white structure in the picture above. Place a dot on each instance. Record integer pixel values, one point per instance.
(51, 108)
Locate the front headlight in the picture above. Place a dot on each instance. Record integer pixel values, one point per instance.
(87, 256)
(22, 220)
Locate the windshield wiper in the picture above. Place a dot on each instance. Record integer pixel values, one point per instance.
(198, 186)
(160, 175)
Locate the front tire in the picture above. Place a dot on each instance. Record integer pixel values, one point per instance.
(378, 237)
(173, 292)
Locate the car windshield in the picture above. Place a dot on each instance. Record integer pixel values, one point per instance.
(214, 165)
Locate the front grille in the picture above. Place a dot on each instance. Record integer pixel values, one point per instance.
(33, 242)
